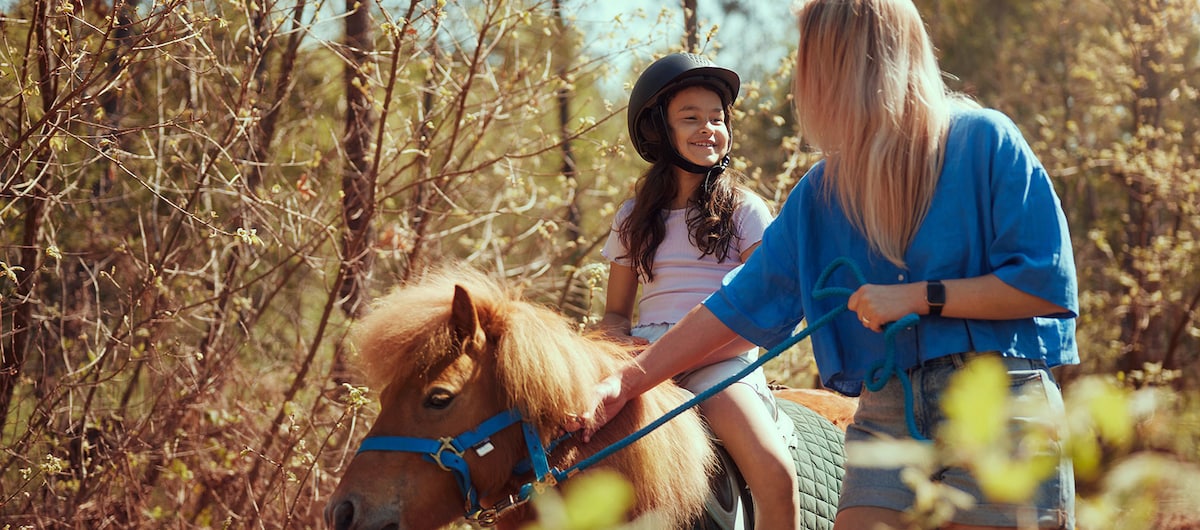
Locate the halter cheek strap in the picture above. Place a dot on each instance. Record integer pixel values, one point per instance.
(449, 454)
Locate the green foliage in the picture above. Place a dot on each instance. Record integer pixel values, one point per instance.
(1111, 433)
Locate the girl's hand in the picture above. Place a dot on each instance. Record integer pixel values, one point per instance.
(877, 305)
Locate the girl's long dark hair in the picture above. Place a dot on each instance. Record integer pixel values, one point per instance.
(709, 216)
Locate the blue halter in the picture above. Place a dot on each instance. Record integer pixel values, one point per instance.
(448, 453)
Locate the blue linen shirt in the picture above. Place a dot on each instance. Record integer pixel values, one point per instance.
(994, 211)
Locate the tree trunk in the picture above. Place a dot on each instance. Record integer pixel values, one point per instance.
(358, 182)
(422, 196)
(691, 26)
(358, 178)
(575, 298)
(263, 135)
(1138, 329)
(34, 200)
(563, 95)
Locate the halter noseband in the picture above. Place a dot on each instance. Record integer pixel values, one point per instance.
(448, 454)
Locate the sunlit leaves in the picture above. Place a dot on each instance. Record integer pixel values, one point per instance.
(893, 453)
(1100, 416)
(598, 500)
(249, 236)
(1142, 489)
(976, 404)
(10, 271)
(979, 431)
(934, 502)
(52, 464)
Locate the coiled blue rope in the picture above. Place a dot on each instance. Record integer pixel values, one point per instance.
(883, 370)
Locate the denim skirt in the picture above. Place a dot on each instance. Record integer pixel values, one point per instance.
(881, 415)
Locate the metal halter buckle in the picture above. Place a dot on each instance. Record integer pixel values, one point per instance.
(447, 445)
(488, 517)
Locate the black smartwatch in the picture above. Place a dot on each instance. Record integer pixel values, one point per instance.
(935, 296)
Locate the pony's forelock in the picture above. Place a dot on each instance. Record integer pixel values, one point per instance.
(406, 331)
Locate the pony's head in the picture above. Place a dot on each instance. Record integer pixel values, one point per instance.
(456, 349)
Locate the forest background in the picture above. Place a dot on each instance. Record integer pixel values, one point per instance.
(198, 198)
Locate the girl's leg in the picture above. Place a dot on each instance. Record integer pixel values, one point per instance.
(738, 416)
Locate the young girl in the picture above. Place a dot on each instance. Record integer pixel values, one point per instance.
(688, 225)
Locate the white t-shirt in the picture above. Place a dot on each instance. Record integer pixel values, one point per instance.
(682, 278)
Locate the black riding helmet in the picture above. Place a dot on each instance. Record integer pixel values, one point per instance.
(647, 112)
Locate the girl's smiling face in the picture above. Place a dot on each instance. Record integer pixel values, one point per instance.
(697, 122)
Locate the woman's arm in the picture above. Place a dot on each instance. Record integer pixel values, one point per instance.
(981, 298)
(691, 342)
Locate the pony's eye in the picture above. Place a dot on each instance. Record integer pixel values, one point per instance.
(438, 398)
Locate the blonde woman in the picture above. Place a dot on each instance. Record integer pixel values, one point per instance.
(950, 216)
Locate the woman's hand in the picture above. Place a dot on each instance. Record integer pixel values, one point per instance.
(626, 340)
(877, 305)
(608, 398)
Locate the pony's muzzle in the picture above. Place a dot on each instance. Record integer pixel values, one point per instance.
(347, 513)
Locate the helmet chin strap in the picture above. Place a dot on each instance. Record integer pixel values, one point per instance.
(709, 172)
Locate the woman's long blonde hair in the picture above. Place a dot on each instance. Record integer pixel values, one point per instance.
(869, 94)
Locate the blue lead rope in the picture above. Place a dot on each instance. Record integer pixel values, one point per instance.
(883, 370)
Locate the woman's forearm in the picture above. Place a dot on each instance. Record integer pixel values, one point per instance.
(989, 298)
(981, 298)
(696, 340)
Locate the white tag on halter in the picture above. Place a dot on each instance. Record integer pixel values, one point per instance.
(484, 448)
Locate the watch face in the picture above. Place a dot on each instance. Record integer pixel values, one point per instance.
(935, 293)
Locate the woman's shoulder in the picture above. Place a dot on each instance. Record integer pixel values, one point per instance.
(974, 122)
(987, 131)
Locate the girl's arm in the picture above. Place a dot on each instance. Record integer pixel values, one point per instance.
(619, 302)
(746, 253)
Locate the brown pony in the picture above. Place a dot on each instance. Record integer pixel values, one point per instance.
(456, 349)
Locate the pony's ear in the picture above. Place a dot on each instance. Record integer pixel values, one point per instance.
(464, 322)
